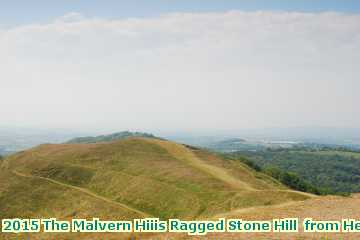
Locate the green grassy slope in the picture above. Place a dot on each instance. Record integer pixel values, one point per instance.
(130, 178)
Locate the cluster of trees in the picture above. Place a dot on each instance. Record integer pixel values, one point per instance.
(293, 181)
(329, 171)
(289, 179)
(250, 163)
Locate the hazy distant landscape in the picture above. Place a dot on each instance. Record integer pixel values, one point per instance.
(14, 139)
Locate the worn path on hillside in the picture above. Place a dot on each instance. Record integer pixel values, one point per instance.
(310, 195)
(182, 153)
(86, 191)
(253, 209)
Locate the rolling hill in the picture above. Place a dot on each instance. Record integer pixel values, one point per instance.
(131, 178)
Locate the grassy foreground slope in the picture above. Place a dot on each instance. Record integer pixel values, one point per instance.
(131, 178)
(320, 208)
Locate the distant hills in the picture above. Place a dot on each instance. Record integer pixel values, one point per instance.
(110, 137)
(239, 144)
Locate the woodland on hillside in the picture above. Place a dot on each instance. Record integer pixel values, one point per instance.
(330, 171)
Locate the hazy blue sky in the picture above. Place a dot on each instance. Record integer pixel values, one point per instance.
(20, 11)
(188, 65)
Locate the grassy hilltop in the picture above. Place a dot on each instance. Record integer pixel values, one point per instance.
(155, 177)
(130, 178)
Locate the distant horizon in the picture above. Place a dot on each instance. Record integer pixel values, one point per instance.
(18, 139)
(289, 132)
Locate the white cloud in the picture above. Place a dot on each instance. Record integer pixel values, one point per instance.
(70, 17)
(184, 70)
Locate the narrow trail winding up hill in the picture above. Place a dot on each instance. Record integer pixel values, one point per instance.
(85, 191)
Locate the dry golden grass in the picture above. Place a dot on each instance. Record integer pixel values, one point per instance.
(321, 208)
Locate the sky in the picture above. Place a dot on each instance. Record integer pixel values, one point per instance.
(179, 65)
(40, 11)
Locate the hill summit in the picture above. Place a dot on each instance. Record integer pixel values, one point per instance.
(110, 137)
